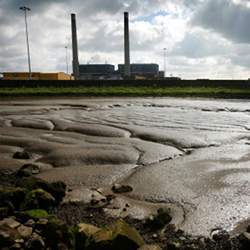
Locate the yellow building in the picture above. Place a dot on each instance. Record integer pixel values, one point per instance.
(36, 76)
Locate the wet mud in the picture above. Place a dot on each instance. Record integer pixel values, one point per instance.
(191, 155)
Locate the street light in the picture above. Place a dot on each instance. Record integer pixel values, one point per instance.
(164, 58)
(25, 9)
(67, 64)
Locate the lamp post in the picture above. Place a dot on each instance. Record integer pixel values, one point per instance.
(164, 60)
(66, 57)
(25, 9)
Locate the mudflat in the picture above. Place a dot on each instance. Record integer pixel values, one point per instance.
(191, 155)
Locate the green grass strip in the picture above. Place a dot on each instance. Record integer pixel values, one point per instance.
(128, 91)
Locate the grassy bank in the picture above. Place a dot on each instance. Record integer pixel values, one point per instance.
(128, 91)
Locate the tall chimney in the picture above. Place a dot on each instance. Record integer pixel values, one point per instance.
(127, 72)
(75, 62)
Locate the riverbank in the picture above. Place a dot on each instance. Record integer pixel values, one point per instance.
(210, 92)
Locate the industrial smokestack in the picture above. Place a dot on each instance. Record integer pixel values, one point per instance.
(75, 62)
(127, 72)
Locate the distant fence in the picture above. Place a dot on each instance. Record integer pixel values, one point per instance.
(132, 83)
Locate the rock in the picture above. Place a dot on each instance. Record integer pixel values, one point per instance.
(244, 240)
(4, 212)
(30, 223)
(20, 241)
(35, 242)
(34, 214)
(83, 232)
(57, 189)
(8, 235)
(39, 198)
(25, 231)
(247, 235)
(161, 219)
(174, 245)
(28, 170)
(12, 197)
(15, 246)
(21, 155)
(10, 222)
(41, 223)
(118, 235)
(118, 188)
(87, 229)
(150, 247)
(56, 232)
(220, 235)
(32, 182)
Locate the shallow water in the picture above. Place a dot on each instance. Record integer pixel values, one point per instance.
(192, 153)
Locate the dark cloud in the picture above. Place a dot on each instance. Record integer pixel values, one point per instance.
(229, 19)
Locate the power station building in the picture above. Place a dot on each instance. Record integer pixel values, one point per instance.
(147, 70)
(107, 71)
(96, 71)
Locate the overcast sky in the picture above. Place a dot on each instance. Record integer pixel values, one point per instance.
(203, 38)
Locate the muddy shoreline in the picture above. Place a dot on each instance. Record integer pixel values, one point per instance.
(188, 155)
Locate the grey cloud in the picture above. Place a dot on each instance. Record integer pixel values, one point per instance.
(225, 17)
(197, 45)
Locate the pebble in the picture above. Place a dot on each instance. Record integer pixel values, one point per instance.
(118, 188)
(10, 222)
(24, 231)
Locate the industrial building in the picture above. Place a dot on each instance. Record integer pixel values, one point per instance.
(146, 70)
(96, 71)
(35, 76)
(107, 71)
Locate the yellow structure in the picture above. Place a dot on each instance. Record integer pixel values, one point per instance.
(36, 76)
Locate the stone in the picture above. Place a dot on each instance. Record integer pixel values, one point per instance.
(25, 231)
(32, 182)
(35, 242)
(220, 235)
(118, 235)
(83, 232)
(150, 247)
(28, 170)
(34, 214)
(4, 211)
(118, 188)
(56, 232)
(20, 241)
(39, 198)
(21, 155)
(8, 235)
(41, 223)
(12, 197)
(87, 229)
(174, 245)
(15, 246)
(245, 241)
(57, 189)
(30, 223)
(247, 235)
(159, 220)
(10, 222)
